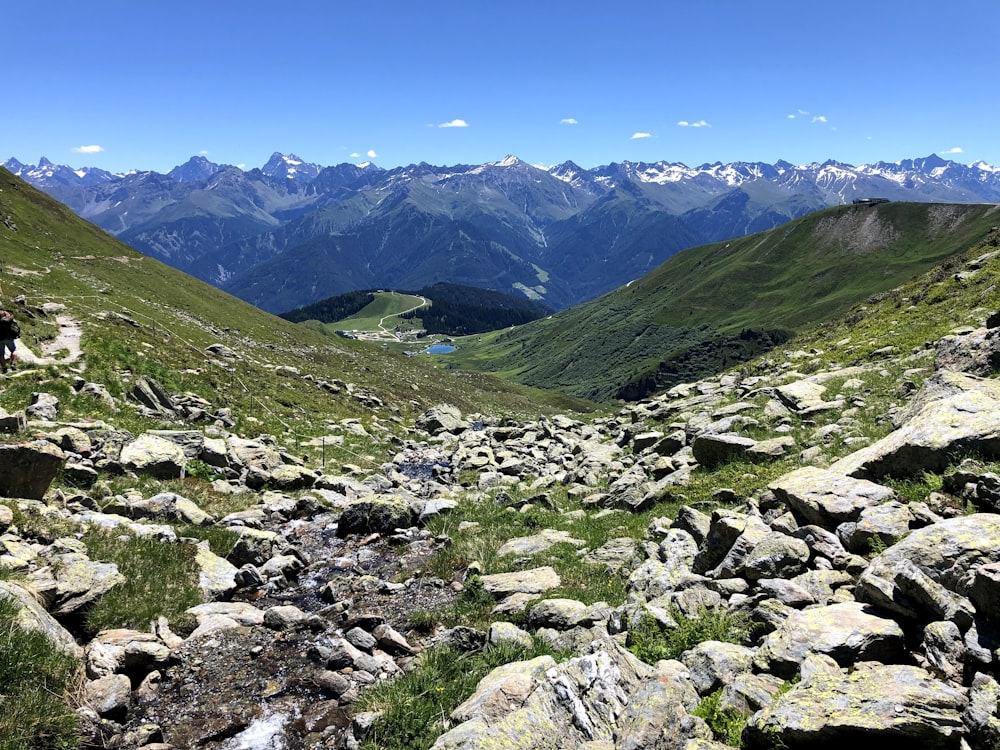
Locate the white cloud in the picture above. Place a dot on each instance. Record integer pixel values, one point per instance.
(699, 124)
(203, 152)
(355, 155)
(636, 136)
(454, 124)
(88, 149)
(819, 118)
(568, 121)
(956, 150)
(371, 154)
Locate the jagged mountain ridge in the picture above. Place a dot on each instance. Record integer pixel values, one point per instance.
(293, 232)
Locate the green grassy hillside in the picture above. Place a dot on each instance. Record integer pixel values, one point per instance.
(140, 317)
(711, 307)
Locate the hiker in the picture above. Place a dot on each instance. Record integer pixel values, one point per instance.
(9, 330)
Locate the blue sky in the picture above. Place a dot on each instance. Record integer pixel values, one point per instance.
(146, 84)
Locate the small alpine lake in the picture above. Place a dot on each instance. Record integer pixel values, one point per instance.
(440, 349)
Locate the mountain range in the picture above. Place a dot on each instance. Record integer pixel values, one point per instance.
(291, 232)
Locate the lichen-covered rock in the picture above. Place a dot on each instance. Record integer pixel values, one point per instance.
(379, 514)
(874, 705)
(983, 713)
(33, 617)
(27, 469)
(81, 581)
(533, 581)
(827, 498)
(530, 545)
(975, 353)
(713, 664)
(216, 575)
(849, 632)
(153, 455)
(949, 553)
(775, 556)
(539, 705)
(951, 413)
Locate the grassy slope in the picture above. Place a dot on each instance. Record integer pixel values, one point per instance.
(385, 304)
(802, 273)
(52, 255)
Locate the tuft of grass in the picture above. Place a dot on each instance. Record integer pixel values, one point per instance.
(650, 641)
(36, 682)
(161, 579)
(726, 724)
(415, 708)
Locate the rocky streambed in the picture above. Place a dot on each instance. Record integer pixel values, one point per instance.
(871, 614)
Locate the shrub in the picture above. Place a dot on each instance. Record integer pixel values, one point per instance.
(726, 724)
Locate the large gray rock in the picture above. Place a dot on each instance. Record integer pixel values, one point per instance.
(380, 514)
(216, 575)
(531, 545)
(848, 632)
(873, 706)
(975, 353)
(81, 581)
(154, 455)
(32, 616)
(827, 498)
(951, 413)
(711, 450)
(124, 651)
(713, 664)
(600, 700)
(441, 418)
(534, 581)
(949, 553)
(983, 713)
(27, 469)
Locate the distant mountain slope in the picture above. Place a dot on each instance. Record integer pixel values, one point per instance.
(710, 307)
(454, 310)
(292, 232)
(141, 317)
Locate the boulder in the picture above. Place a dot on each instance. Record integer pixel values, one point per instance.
(153, 455)
(441, 418)
(80, 581)
(949, 553)
(33, 617)
(976, 352)
(848, 632)
(874, 705)
(378, 514)
(27, 469)
(714, 664)
(216, 575)
(712, 450)
(109, 696)
(534, 581)
(124, 651)
(530, 545)
(827, 498)
(951, 413)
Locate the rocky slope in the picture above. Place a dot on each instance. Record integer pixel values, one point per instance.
(845, 512)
